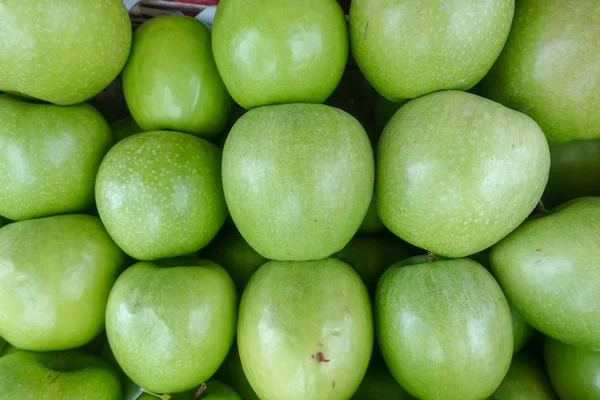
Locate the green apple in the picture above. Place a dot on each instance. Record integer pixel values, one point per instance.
(545, 270)
(407, 51)
(170, 328)
(49, 157)
(298, 179)
(125, 127)
(159, 194)
(280, 52)
(549, 68)
(574, 372)
(305, 330)
(574, 171)
(444, 329)
(62, 52)
(370, 256)
(131, 391)
(526, 379)
(56, 274)
(66, 375)
(457, 172)
(171, 80)
(379, 384)
(232, 252)
(232, 373)
(522, 332)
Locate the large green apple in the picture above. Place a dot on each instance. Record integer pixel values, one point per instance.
(444, 329)
(407, 50)
(379, 384)
(298, 179)
(526, 379)
(284, 51)
(55, 277)
(63, 52)
(549, 67)
(232, 252)
(232, 373)
(574, 372)
(546, 270)
(456, 172)
(170, 328)
(67, 375)
(574, 171)
(171, 80)
(49, 157)
(159, 194)
(305, 330)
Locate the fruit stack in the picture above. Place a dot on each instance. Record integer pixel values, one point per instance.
(268, 222)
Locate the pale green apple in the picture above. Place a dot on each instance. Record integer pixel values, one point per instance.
(280, 52)
(171, 80)
(56, 274)
(379, 384)
(547, 271)
(49, 157)
(232, 373)
(457, 172)
(232, 252)
(574, 171)
(124, 127)
(305, 330)
(66, 375)
(408, 49)
(159, 194)
(526, 379)
(549, 67)
(170, 328)
(62, 52)
(444, 329)
(574, 372)
(298, 179)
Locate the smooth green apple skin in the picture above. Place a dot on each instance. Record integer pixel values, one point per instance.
(171, 80)
(522, 332)
(456, 172)
(310, 338)
(379, 384)
(159, 194)
(298, 179)
(407, 50)
(232, 373)
(549, 68)
(67, 375)
(56, 274)
(124, 127)
(574, 372)
(65, 62)
(370, 256)
(170, 328)
(546, 270)
(232, 252)
(444, 329)
(49, 157)
(280, 52)
(526, 379)
(574, 171)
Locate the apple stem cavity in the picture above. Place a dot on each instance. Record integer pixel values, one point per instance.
(201, 390)
(164, 396)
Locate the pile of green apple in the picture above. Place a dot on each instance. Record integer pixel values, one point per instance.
(274, 222)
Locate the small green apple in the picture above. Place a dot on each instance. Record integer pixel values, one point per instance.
(574, 372)
(232, 373)
(171, 80)
(232, 252)
(280, 52)
(56, 274)
(49, 157)
(124, 127)
(574, 171)
(66, 375)
(379, 384)
(310, 338)
(526, 379)
(159, 194)
(444, 329)
(170, 328)
(549, 68)
(456, 172)
(407, 51)
(62, 52)
(546, 271)
(298, 179)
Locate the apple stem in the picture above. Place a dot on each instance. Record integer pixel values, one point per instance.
(431, 256)
(542, 208)
(165, 396)
(201, 390)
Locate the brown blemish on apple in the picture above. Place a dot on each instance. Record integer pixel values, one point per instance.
(52, 377)
(320, 357)
(365, 31)
(333, 384)
(431, 256)
(320, 344)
